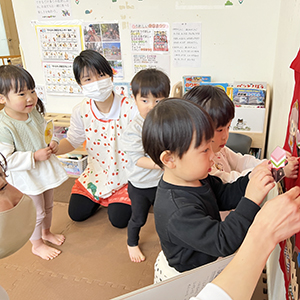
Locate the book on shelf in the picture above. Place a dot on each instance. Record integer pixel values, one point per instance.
(221, 85)
(248, 97)
(190, 81)
(250, 85)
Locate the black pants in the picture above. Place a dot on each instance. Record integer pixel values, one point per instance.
(81, 208)
(141, 201)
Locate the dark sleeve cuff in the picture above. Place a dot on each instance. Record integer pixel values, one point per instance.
(247, 208)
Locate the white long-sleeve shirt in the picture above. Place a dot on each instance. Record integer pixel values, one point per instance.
(229, 165)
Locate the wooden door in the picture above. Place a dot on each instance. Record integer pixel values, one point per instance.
(10, 27)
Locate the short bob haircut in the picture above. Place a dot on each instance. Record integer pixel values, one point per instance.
(215, 101)
(150, 81)
(93, 61)
(172, 124)
(13, 78)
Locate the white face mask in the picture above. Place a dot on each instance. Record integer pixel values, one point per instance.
(98, 90)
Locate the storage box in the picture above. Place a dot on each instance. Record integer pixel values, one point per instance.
(74, 166)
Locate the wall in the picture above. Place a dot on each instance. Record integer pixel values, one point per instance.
(238, 41)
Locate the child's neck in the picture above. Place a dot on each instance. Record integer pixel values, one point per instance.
(105, 106)
(172, 178)
(16, 116)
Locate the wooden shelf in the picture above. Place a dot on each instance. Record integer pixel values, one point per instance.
(258, 138)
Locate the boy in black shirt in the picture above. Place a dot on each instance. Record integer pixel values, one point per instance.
(177, 136)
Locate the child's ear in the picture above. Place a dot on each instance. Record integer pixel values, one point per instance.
(2, 99)
(168, 159)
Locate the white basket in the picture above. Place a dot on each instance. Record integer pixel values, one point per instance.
(74, 166)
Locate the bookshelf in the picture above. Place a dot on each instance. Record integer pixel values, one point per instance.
(258, 138)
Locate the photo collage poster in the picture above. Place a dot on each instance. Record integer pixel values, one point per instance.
(105, 39)
(59, 45)
(150, 45)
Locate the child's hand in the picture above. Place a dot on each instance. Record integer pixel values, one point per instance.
(259, 185)
(263, 165)
(291, 169)
(42, 154)
(53, 146)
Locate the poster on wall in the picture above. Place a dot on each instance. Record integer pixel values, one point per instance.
(59, 42)
(186, 45)
(105, 39)
(144, 61)
(150, 46)
(53, 9)
(60, 79)
(59, 45)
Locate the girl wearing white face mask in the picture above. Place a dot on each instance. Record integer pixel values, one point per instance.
(100, 119)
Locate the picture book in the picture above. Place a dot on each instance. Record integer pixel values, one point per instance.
(123, 89)
(190, 81)
(250, 85)
(221, 85)
(248, 96)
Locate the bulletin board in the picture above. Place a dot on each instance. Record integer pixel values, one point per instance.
(217, 38)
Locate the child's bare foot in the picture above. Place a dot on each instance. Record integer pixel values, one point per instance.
(135, 254)
(56, 239)
(44, 251)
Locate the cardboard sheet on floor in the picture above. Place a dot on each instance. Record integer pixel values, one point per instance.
(183, 286)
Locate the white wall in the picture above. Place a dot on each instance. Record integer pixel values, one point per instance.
(238, 42)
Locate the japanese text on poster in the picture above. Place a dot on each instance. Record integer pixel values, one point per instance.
(53, 9)
(59, 79)
(187, 44)
(150, 46)
(151, 60)
(150, 37)
(59, 43)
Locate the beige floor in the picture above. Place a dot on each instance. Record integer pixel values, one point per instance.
(94, 263)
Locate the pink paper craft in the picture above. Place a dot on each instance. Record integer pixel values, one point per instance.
(298, 138)
(278, 158)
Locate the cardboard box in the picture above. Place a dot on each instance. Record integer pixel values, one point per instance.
(74, 166)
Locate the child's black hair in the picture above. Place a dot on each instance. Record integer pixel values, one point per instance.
(17, 79)
(215, 101)
(172, 124)
(150, 81)
(93, 61)
(3, 164)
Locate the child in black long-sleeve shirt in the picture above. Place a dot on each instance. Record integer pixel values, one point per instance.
(177, 136)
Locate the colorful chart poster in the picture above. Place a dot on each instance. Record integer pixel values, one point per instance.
(187, 45)
(59, 79)
(59, 42)
(150, 46)
(150, 37)
(105, 39)
(53, 9)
